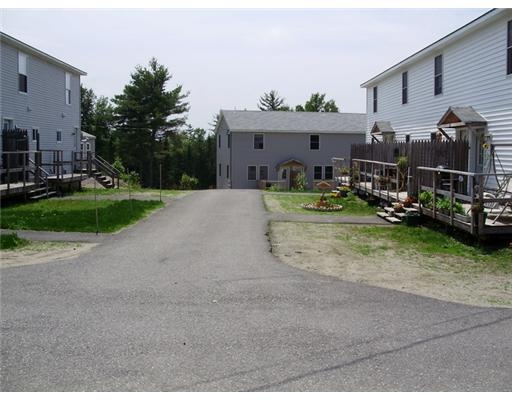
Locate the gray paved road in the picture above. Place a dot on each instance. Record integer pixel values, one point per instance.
(192, 300)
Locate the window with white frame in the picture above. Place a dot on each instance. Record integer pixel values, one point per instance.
(68, 88)
(229, 140)
(317, 172)
(375, 90)
(59, 136)
(251, 172)
(35, 133)
(509, 47)
(258, 141)
(405, 86)
(438, 75)
(220, 169)
(263, 172)
(227, 171)
(22, 73)
(328, 172)
(314, 142)
(219, 139)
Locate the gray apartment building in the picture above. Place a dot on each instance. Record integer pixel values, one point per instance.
(40, 94)
(275, 146)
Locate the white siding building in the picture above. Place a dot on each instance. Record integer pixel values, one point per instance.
(469, 68)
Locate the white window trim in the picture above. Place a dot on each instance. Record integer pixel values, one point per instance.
(253, 137)
(441, 74)
(57, 136)
(258, 172)
(319, 142)
(68, 87)
(32, 133)
(22, 71)
(321, 173)
(255, 174)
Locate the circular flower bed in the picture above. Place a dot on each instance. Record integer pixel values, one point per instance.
(322, 206)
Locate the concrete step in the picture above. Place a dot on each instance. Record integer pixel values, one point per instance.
(393, 220)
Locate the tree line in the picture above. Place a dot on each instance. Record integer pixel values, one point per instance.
(144, 128)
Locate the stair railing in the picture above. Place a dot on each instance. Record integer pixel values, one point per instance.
(107, 168)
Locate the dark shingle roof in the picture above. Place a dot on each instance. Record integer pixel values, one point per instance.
(290, 121)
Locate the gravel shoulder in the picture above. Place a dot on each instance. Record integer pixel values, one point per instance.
(320, 248)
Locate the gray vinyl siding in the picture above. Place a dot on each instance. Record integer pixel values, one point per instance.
(44, 105)
(474, 74)
(223, 156)
(280, 147)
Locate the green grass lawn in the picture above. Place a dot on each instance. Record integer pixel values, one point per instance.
(291, 203)
(368, 240)
(12, 241)
(77, 215)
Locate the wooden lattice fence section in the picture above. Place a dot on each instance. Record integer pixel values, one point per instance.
(449, 154)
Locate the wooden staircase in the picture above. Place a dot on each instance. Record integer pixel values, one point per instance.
(390, 215)
(43, 192)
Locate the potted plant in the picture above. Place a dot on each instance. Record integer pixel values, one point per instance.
(443, 205)
(460, 212)
(409, 201)
(412, 218)
(426, 199)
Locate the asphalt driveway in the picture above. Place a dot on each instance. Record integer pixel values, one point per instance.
(191, 300)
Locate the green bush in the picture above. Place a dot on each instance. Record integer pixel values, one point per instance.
(426, 199)
(188, 182)
(12, 241)
(301, 182)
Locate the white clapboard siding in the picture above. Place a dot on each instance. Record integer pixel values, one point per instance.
(474, 74)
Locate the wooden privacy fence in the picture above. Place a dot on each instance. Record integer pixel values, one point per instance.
(422, 153)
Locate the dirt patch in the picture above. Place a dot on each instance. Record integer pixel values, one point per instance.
(43, 252)
(334, 250)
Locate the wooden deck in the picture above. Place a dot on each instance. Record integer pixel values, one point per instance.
(494, 217)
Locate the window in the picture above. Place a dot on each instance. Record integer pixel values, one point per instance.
(59, 136)
(22, 73)
(220, 169)
(328, 172)
(7, 124)
(88, 146)
(438, 75)
(219, 140)
(375, 99)
(68, 88)
(405, 85)
(509, 47)
(258, 141)
(317, 172)
(35, 133)
(229, 140)
(251, 172)
(227, 171)
(314, 142)
(263, 172)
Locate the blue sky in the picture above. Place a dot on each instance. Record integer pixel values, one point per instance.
(228, 58)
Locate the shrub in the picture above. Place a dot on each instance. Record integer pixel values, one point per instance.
(188, 182)
(301, 182)
(426, 199)
(11, 241)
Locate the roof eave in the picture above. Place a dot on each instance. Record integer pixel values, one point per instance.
(32, 50)
(453, 36)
